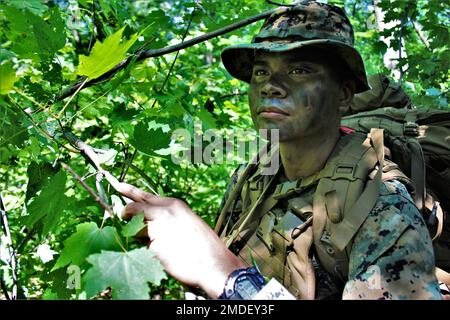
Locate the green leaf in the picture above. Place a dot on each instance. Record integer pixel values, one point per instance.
(207, 119)
(149, 137)
(13, 132)
(135, 225)
(33, 37)
(38, 176)
(58, 288)
(104, 56)
(126, 272)
(35, 6)
(49, 204)
(380, 47)
(7, 77)
(88, 239)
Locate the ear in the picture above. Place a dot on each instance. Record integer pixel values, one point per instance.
(347, 93)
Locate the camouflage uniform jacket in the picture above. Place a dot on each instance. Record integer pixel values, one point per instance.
(392, 255)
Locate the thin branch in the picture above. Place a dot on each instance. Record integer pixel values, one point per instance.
(153, 186)
(128, 163)
(420, 34)
(24, 241)
(38, 126)
(142, 55)
(233, 95)
(89, 189)
(12, 254)
(174, 60)
(71, 98)
(3, 285)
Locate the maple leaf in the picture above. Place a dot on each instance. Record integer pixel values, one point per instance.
(105, 55)
(87, 240)
(7, 77)
(135, 225)
(49, 205)
(127, 273)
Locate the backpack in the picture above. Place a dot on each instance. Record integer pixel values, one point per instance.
(418, 141)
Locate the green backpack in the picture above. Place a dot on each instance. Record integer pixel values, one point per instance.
(418, 140)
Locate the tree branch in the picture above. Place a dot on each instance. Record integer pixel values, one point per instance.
(89, 189)
(141, 55)
(420, 34)
(3, 285)
(175, 59)
(37, 125)
(10, 247)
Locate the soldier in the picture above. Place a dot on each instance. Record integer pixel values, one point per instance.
(329, 223)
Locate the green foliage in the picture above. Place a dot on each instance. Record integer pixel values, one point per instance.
(47, 46)
(149, 137)
(135, 225)
(7, 77)
(49, 205)
(87, 240)
(126, 272)
(105, 56)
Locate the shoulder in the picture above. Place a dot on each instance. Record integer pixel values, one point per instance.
(393, 214)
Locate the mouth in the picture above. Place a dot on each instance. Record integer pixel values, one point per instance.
(271, 112)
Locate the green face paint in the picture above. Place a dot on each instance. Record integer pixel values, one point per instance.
(294, 92)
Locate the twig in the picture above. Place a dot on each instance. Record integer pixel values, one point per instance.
(142, 55)
(420, 34)
(174, 60)
(71, 98)
(233, 95)
(128, 163)
(3, 285)
(153, 186)
(12, 254)
(89, 189)
(38, 126)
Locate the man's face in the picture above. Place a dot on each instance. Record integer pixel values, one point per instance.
(294, 92)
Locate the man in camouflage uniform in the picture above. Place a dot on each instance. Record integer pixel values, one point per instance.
(366, 242)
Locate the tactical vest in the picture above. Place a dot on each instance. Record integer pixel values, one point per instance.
(280, 222)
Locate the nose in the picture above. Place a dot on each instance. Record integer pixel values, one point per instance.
(273, 89)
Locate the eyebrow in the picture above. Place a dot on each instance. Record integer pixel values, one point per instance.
(290, 60)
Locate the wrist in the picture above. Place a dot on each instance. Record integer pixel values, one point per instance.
(216, 278)
(243, 284)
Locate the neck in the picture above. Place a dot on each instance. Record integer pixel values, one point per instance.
(304, 157)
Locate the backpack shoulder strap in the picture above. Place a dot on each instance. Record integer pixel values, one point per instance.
(344, 199)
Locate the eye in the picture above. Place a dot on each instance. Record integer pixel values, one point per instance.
(260, 72)
(297, 71)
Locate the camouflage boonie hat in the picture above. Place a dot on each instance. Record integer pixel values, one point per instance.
(307, 24)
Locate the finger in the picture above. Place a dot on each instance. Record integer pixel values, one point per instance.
(135, 193)
(135, 208)
(126, 189)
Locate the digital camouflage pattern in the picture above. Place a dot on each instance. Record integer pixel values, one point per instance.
(391, 251)
(306, 24)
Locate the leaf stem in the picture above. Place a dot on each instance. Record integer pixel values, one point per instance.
(71, 98)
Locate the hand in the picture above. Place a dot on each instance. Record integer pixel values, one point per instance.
(186, 246)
